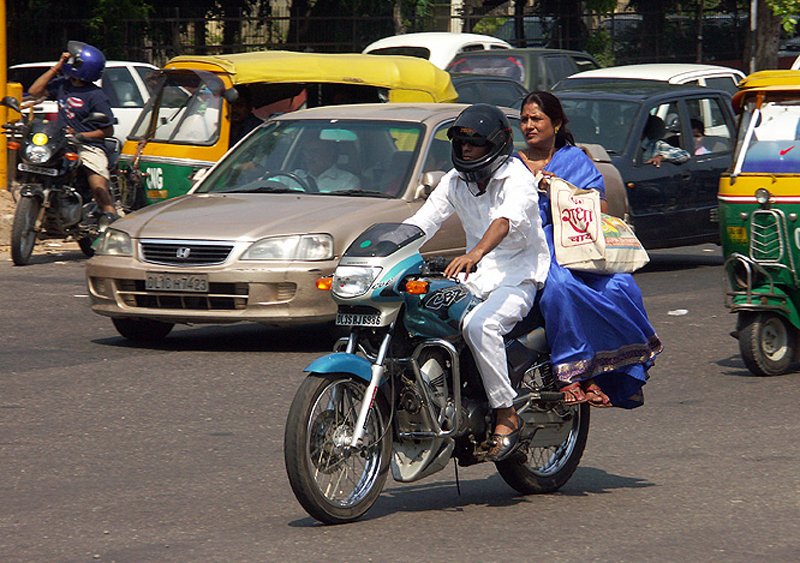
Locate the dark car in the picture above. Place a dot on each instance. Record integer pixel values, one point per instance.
(536, 69)
(495, 90)
(671, 204)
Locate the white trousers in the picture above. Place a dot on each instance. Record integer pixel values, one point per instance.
(484, 328)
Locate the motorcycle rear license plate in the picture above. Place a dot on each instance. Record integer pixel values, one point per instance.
(356, 319)
(191, 283)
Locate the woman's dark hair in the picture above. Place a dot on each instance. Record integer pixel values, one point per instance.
(552, 108)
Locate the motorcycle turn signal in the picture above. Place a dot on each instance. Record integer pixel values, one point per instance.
(417, 287)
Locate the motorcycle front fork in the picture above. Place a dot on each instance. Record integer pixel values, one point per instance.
(378, 370)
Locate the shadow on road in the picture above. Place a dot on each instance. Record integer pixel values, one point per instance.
(492, 491)
(683, 259)
(248, 337)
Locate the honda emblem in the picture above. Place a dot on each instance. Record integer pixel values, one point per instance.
(183, 252)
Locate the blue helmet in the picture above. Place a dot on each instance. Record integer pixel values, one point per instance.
(85, 63)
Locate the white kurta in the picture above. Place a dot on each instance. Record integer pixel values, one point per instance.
(508, 276)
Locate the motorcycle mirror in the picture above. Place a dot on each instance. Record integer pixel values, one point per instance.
(11, 102)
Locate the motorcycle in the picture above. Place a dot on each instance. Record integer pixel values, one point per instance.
(54, 199)
(403, 390)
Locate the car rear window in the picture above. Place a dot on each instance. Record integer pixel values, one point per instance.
(495, 65)
(420, 52)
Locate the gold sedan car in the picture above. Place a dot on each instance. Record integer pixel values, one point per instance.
(249, 241)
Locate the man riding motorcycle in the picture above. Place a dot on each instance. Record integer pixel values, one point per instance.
(77, 98)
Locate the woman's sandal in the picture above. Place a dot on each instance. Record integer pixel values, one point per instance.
(505, 444)
(573, 394)
(596, 397)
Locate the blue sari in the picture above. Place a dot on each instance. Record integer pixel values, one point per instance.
(597, 326)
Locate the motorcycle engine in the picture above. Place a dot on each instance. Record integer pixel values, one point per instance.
(69, 207)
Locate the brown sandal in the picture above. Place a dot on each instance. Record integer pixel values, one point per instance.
(596, 397)
(573, 394)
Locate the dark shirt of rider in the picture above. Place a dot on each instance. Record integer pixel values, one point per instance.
(76, 103)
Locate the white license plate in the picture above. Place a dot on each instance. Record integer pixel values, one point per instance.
(191, 283)
(354, 319)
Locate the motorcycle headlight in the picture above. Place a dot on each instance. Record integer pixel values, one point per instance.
(37, 154)
(294, 247)
(352, 281)
(114, 243)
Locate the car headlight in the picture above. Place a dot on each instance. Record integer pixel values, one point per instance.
(114, 243)
(352, 281)
(37, 154)
(294, 247)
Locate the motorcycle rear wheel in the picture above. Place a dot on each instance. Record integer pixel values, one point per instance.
(23, 231)
(544, 470)
(334, 483)
(768, 343)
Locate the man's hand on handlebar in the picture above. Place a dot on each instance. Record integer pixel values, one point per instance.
(465, 263)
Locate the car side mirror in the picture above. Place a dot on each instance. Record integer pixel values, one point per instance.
(429, 182)
(198, 175)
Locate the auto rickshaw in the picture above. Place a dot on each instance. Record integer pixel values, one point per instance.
(185, 128)
(759, 214)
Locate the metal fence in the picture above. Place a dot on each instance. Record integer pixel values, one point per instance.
(614, 39)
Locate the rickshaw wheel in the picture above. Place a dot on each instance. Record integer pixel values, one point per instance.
(767, 343)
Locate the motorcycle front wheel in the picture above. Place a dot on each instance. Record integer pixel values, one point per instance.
(546, 469)
(23, 232)
(332, 481)
(767, 343)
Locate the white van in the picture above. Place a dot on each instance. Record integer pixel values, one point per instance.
(439, 47)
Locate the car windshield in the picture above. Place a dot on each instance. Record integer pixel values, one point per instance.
(767, 139)
(336, 157)
(184, 109)
(603, 122)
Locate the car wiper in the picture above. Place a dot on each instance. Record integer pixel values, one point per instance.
(263, 190)
(369, 193)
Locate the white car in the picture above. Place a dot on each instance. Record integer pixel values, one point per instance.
(123, 82)
(439, 47)
(710, 76)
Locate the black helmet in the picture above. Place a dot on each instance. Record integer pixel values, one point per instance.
(483, 124)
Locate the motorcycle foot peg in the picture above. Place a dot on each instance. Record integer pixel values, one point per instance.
(551, 396)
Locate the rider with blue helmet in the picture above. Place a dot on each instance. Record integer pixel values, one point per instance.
(77, 98)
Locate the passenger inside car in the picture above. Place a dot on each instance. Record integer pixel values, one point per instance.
(655, 149)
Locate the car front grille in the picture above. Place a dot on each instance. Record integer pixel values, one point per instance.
(184, 253)
(220, 296)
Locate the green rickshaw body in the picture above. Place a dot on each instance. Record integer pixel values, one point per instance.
(759, 198)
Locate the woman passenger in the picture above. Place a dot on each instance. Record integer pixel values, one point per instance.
(601, 341)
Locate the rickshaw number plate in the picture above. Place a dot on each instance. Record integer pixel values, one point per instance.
(351, 319)
(191, 283)
(737, 234)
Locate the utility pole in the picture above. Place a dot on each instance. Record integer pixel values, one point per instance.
(3, 110)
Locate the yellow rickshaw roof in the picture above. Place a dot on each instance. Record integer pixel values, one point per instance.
(767, 81)
(385, 71)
